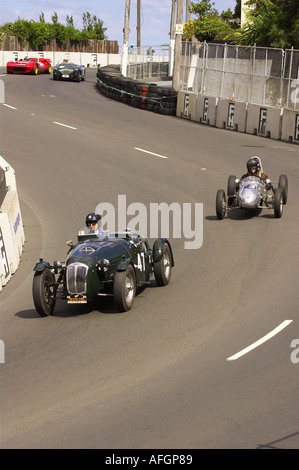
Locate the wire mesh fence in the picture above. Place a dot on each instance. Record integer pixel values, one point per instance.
(258, 75)
(148, 62)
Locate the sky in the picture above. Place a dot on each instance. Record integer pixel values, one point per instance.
(155, 15)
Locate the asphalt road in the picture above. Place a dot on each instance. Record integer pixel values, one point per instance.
(163, 375)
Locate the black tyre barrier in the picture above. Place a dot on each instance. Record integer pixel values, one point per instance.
(112, 84)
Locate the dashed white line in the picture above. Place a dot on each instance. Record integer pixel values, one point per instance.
(151, 153)
(64, 125)
(265, 338)
(8, 106)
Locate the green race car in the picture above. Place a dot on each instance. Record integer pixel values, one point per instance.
(69, 71)
(100, 265)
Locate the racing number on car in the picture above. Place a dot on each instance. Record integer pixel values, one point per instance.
(4, 259)
(141, 262)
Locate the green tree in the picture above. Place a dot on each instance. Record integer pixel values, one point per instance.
(55, 18)
(37, 34)
(69, 21)
(237, 11)
(208, 26)
(272, 23)
(203, 8)
(93, 27)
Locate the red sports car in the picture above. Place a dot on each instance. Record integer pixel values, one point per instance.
(29, 65)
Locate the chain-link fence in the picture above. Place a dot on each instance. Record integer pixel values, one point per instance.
(252, 74)
(148, 62)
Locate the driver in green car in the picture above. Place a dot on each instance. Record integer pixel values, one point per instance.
(93, 223)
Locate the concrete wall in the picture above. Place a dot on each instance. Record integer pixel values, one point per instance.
(84, 58)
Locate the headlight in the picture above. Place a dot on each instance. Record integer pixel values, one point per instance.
(103, 265)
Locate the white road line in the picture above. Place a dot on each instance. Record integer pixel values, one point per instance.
(64, 125)
(265, 338)
(151, 153)
(8, 106)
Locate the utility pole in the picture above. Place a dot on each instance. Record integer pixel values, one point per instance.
(172, 36)
(188, 14)
(126, 39)
(178, 46)
(138, 26)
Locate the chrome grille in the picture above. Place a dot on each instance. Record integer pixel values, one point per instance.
(76, 278)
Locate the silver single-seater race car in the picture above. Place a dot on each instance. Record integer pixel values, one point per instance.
(252, 194)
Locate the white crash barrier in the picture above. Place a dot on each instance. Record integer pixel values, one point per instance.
(290, 126)
(231, 115)
(84, 58)
(12, 235)
(8, 254)
(206, 108)
(264, 121)
(186, 105)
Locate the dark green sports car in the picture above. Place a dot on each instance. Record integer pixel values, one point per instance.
(69, 71)
(102, 266)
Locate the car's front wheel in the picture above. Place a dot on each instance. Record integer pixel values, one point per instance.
(125, 289)
(278, 203)
(220, 204)
(43, 291)
(283, 184)
(231, 189)
(162, 268)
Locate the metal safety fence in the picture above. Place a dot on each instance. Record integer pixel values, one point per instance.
(258, 75)
(148, 62)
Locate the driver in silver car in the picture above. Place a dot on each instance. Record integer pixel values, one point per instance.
(254, 169)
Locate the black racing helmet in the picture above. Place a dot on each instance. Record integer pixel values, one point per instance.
(253, 162)
(92, 218)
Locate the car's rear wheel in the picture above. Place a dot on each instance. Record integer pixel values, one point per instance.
(43, 291)
(231, 189)
(278, 203)
(220, 204)
(49, 69)
(162, 268)
(125, 289)
(283, 184)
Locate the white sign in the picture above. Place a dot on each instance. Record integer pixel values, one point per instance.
(179, 28)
